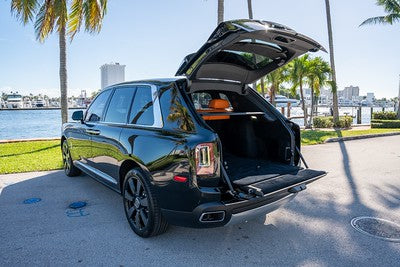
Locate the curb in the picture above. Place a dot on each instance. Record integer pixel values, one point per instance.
(28, 140)
(349, 138)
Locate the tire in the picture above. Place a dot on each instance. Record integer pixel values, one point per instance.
(69, 167)
(140, 205)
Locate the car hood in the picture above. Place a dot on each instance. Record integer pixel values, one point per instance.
(245, 50)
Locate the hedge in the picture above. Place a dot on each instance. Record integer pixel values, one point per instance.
(384, 115)
(327, 122)
(385, 124)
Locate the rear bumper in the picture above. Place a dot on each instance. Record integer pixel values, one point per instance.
(233, 213)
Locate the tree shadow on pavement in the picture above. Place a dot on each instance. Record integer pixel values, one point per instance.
(314, 229)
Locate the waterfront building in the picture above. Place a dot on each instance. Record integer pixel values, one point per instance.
(370, 98)
(350, 92)
(111, 74)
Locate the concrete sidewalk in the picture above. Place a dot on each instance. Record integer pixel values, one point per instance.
(314, 229)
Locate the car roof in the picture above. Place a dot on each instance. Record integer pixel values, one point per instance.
(157, 81)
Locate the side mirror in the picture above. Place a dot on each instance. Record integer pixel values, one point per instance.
(77, 115)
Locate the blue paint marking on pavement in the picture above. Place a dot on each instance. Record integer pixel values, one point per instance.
(76, 212)
(32, 200)
(77, 205)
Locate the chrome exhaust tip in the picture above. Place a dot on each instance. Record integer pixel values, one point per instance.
(212, 216)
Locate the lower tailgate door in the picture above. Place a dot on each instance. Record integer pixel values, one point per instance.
(286, 182)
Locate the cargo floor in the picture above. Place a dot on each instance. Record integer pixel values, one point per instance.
(244, 171)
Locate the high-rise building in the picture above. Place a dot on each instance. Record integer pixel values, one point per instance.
(350, 92)
(111, 74)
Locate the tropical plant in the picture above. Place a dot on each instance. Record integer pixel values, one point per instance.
(52, 15)
(274, 80)
(316, 77)
(332, 61)
(392, 10)
(298, 70)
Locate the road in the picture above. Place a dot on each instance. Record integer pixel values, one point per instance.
(313, 230)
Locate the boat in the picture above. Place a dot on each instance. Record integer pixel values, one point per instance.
(14, 100)
(40, 103)
(282, 101)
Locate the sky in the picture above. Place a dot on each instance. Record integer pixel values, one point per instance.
(152, 37)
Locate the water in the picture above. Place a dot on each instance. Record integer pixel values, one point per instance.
(20, 124)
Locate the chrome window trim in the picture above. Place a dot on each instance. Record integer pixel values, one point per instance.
(157, 116)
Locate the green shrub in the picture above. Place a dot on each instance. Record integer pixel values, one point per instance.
(323, 122)
(385, 124)
(384, 115)
(327, 122)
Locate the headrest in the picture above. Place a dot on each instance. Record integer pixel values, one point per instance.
(218, 104)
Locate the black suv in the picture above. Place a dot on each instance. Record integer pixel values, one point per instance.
(202, 150)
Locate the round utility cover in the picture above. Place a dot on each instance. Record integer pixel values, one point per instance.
(376, 227)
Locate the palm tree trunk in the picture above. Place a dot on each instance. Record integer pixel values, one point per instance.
(272, 95)
(332, 59)
(250, 9)
(398, 103)
(220, 11)
(303, 104)
(312, 107)
(63, 75)
(263, 87)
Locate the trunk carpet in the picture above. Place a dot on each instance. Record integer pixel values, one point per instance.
(244, 171)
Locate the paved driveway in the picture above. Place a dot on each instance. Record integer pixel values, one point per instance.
(314, 229)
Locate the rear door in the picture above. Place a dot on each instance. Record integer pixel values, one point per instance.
(243, 51)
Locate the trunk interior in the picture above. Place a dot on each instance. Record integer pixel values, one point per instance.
(255, 143)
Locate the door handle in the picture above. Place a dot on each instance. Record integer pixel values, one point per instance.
(93, 132)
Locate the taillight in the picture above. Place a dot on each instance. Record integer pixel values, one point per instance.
(205, 159)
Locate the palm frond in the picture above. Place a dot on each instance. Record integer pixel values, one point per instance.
(390, 6)
(24, 10)
(75, 18)
(374, 20)
(45, 18)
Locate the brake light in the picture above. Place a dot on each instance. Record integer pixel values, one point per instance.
(205, 159)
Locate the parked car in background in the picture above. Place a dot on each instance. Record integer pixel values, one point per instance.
(201, 150)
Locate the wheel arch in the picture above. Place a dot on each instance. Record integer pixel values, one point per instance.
(125, 167)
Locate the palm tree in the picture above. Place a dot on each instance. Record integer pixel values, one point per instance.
(298, 70)
(274, 80)
(332, 60)
(317, 76)
(392, 10)
(49, 16)
(220, 11)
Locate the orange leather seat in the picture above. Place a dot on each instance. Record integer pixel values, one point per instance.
(216, 105)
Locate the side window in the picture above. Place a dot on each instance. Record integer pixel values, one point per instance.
(96, 109)
(119, 105)
(142, 111)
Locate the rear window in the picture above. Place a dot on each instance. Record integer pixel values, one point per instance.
(201, 100)
(247, 60)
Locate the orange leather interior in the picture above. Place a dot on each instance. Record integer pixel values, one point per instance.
(216, 105)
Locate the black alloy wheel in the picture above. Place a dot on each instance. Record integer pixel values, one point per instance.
(141, 209)
(69, 168)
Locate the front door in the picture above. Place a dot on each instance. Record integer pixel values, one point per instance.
(107, 151)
